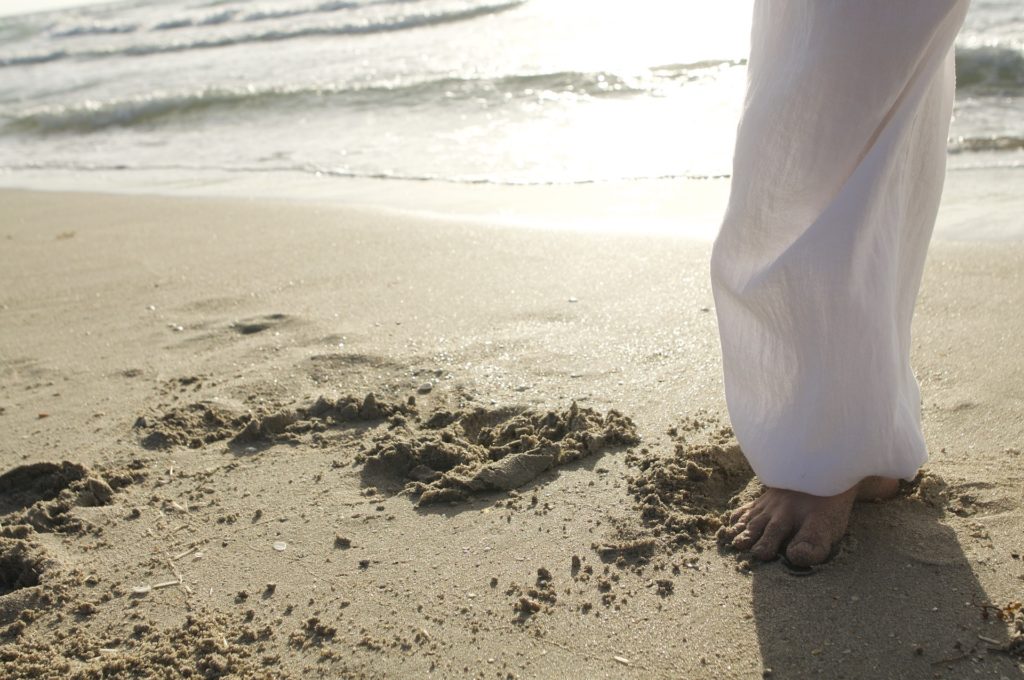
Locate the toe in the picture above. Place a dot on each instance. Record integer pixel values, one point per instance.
(752, 533)
(811, 545)
(739, 513)
(775, 532)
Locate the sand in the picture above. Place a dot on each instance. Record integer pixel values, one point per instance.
(262, 438)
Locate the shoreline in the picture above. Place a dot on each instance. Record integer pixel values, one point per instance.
(689, 208)
(187, 312)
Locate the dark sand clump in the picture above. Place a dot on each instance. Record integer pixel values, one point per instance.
(627, 546)
(24, 567)
(541, 596)
(18, 568)
(204, 646)
(1014, 617)
(199, 424)
(684, 497)
(324, 413)
(193, 425)
(40, 496)
(483, 450)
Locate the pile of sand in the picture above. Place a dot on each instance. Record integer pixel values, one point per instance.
(39, 497)
(201, 423)
(685, 497)
(206, 645)
(454, 455)
(446, 457)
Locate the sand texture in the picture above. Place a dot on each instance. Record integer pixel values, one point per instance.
(258, 439)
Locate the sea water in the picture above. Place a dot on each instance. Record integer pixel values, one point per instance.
(465, 91)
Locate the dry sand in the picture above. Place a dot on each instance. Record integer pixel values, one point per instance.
(196, 483)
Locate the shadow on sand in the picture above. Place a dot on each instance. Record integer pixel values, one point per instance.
(900, 600)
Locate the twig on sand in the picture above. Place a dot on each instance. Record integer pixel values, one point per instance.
(177, 575)
(186, 553)
(166, 584)
(952, 659)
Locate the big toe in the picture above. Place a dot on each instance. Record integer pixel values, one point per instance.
(812, 545)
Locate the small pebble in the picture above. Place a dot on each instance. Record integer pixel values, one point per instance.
(280, 546)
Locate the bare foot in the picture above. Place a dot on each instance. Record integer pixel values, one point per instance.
(812, 525)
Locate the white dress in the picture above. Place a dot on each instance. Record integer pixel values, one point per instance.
(838, 170)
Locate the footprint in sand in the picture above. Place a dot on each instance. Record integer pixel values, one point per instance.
(22, 569)
(40, 497)
(259, 324)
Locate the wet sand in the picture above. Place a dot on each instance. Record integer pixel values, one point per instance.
(196, 482)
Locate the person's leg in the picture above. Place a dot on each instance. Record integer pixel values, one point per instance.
(838, 169)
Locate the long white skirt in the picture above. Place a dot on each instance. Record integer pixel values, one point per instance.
(838, 170)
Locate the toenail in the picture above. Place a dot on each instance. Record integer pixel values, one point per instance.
(797, 570)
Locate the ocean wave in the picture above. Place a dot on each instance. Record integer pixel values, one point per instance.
(695, 67)
(990, 143)
(268, 13)
(398, 23)
(320, 171)
(95, 28)
(990, 69)
(287, 13)
(93, 115)
(213, 19)
(37, 58)
(265, 14)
